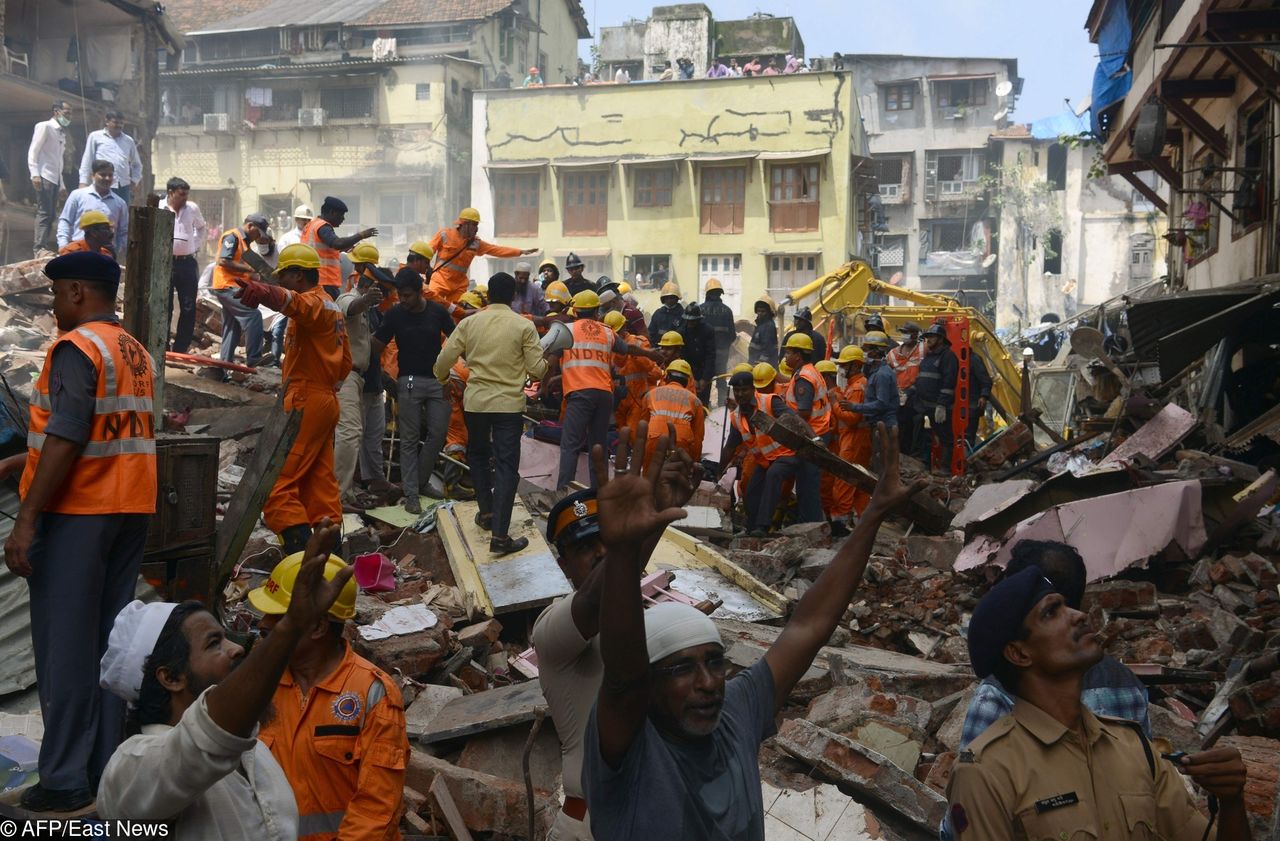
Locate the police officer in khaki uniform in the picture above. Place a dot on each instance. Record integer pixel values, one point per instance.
(1054, 770)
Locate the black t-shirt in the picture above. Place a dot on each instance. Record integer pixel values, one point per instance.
(417, 336)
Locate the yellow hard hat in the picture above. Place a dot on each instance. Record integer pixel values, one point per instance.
(422, 249)
(741, 368)
(671, 339)
(826, 366)
(624, 288)
(586, 300)
(558, 292)
(365, 252)
(799, 341)
(851, 353)
(763, 374)
(679, 366)
(669, 288)
(784, 369)
(875, 338)
(615, 320)
(483, 292)
(468, 214)
(713, 285)
(93, 217)
(272, 598)
(473, 300)
(548, 262)
(767, 301)
(298, 256)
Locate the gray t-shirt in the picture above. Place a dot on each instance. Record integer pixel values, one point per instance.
(708, 791)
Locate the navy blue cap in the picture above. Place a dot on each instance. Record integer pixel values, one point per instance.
(742, 378)
(997, 620)
(330, 203)
(84, 265)
(259, 220)
(574, 518)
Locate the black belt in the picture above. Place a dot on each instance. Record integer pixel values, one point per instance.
(184, 256)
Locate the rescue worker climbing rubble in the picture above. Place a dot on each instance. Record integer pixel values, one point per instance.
(454, 250)
(317, 360)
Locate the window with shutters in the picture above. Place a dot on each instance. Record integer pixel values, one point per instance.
(793, 197)
(515, 203)
(724, 199)
(653, 186)
(791, 271)
(586, 201)
(899, 97)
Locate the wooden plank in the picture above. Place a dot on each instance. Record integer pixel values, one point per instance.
(1215, 137)
(923, 510)
(492, 709)
(246, 503)
(148, 266)
(449, 810)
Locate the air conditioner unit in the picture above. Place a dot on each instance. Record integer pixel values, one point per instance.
(311, 117)
(217, 123)
(890, 191)
(952, 188)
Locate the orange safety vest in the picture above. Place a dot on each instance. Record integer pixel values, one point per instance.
(905, 365)
(675, 406)
(344, 748)
(330, 258)
(116, 471)
(820, 415)
(765, 448)
(586, 365)
(224, 278)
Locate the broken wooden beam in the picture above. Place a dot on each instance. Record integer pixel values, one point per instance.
(147, 271)
(246, 503)
(923, 510)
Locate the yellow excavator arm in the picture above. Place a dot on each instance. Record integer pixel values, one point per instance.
(845, 291)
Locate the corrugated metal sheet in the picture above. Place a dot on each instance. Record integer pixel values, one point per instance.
(277, 14)
(18, 666)
(1265, 425)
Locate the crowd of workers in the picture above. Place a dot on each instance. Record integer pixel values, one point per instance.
(302, 738)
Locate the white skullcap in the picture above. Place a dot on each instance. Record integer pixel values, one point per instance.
(522, 266)
(672, 626)
(608, 295)
(133, 638)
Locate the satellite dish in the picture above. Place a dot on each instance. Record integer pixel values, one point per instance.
(1004, 88)
(1000, 115)
(989, 261)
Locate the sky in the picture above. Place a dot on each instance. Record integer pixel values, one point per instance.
(1047, 37)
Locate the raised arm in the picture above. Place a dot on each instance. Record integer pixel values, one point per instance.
(630, 527)
(817, 613)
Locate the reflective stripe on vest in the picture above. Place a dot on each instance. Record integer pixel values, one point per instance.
(444, 233)
(765, 447)
(588, 364)
(330, 258)
(820, 414)
(320, 823)
(905, 368)
(222, 278)
(115, 471)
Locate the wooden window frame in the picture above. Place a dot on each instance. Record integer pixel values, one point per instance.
(585, 184)
(513, 214)
(711, 213)
(788, 215)
(648, 189)
(900, 97)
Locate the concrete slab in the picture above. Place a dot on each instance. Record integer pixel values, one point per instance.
(485, 711)
(540, 464)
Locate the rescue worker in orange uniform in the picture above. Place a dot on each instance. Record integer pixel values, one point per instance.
(774, 463)
(854, 432)
(98, 235)
(321, 236)
(904, 360)
(338, 728)
(829, 372)
(671, 409)
(455, 443)
(586, 377)
(456, 247)
(88, 491)
(639, 375)
(806, 395)
(317, 360)
(230, 269)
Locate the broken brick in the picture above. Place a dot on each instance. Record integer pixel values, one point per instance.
(481, 635)
(939, 773)
(1262, 786)
(1123, 598)
(487, 803)
(408, 654)
(938, 551)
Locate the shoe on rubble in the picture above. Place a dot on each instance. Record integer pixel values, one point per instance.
(412, 504)
(507, 545)
(41, 799)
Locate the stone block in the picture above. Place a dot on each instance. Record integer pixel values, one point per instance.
(412, 655)
(481, 635)
(863, 770)
(500, 753)
(1256, 708)
(487, 803)
(1230, 632)
(842, 707)
(940, 772)
(899, 743)
(431, 699)
(1166, 724)
(948, 735)
(938, 551)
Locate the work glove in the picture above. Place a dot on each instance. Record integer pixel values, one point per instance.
(253, 293)
(939, 414)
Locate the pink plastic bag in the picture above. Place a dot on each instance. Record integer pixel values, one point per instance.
(375, 572)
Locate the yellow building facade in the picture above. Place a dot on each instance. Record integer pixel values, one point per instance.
(753, 181)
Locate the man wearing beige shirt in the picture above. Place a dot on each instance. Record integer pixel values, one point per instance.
(355, 305)
(502, 351)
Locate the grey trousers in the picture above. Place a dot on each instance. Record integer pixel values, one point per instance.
(765, 490)
(237, 320)
(586, 423)
(374, 406)
(84, 572)
(424, 422)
